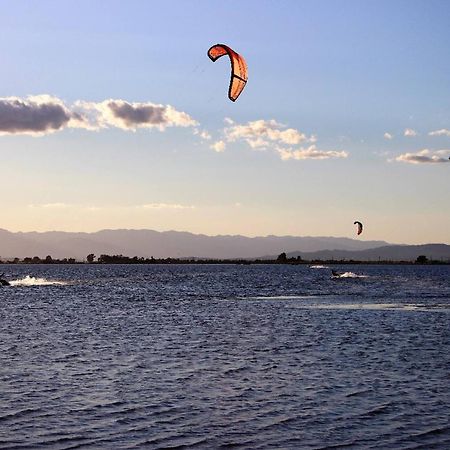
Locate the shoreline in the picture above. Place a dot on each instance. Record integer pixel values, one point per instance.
(241, 262)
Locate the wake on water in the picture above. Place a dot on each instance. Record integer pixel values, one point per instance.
(349, 275)
(339, 275)
(34, 281)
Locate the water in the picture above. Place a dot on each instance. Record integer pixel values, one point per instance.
(120, 357)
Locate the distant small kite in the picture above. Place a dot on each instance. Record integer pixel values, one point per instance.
(360, 227)
(239, 73)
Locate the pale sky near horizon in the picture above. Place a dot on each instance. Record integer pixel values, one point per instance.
(346, 116)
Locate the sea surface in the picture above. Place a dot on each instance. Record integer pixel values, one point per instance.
(225, 356)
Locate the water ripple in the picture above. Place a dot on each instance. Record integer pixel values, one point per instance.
(248, 357)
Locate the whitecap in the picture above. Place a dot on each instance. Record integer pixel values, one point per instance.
(35, 281)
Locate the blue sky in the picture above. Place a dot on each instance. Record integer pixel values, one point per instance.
(351, 77)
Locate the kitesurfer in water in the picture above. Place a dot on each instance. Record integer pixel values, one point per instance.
(3, 282)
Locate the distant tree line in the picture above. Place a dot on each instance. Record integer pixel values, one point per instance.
(281, 259)
(36, 260)
(121, 259)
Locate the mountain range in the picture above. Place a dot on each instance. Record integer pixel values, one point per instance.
(177, 244)
(438, 252)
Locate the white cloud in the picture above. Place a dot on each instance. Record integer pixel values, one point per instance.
(270, 134)
(202, 134)
(164, 206)
(409, 132)
(442, 132)
(388, 136)
(425, 156)
(50, 205)
(264, 133)
(218, 146)
(312, 152)
(145, 206)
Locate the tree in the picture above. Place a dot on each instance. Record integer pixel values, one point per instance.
(421, 259)
(48, 259)
(90, 258)
(282, 258)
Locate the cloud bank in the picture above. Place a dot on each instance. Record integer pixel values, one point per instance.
(425, 156)
(44, 114)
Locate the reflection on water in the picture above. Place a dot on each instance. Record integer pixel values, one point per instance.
(211, 356)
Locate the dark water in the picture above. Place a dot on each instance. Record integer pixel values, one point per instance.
(225, 356)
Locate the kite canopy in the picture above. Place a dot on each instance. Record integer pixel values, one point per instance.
(360, 227)
(239, 73)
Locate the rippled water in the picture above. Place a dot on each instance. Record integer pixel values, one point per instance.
(108, 357)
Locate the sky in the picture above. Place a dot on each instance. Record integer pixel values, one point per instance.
(112, 116)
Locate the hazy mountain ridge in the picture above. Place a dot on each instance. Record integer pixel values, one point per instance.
(386, 253)
(175, 244)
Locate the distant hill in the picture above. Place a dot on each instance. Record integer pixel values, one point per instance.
(174, 244)
(389, 253)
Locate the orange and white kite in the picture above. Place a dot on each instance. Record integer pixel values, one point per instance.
(239, 72)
